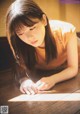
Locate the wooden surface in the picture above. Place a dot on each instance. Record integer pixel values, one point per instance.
(64, 98)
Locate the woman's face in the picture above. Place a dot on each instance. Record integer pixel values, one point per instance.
(33, 35)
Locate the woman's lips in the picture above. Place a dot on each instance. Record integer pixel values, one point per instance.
(34, 42)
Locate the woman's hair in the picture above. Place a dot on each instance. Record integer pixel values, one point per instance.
(21, 12)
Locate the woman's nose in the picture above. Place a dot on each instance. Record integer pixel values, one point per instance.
(31, 38)
(29, 34)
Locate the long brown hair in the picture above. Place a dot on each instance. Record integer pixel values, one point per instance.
(21, 12)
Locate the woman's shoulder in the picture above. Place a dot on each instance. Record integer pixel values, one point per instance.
(62, 31)
(61, 25)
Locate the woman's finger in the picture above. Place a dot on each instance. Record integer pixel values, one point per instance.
(22, 90)
(34, 88)
(32, 92)
(26, 91)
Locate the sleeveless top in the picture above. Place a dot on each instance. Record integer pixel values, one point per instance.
(62, 32)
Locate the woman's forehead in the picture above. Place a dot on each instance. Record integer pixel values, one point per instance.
(26, 22)
(20, 27)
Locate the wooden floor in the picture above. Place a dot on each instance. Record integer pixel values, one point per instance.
(64, 98)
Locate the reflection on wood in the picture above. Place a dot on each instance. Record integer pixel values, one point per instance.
(64, 98)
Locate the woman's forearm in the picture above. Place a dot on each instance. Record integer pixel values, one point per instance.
(66, 74)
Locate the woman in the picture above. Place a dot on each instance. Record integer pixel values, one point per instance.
(44, 50)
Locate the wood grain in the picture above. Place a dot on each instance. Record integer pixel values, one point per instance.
(64, 98)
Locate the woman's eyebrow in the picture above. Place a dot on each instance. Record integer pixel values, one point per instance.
(19, 32)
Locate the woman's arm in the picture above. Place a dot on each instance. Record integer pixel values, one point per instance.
(68, 73)
(20, 73)
(26, 85)
(72, 60)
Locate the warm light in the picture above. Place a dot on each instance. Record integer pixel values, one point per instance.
(47, 97)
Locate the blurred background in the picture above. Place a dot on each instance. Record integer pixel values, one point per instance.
(65, 10)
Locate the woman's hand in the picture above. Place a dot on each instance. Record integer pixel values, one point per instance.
(28, 87)
(45, 83)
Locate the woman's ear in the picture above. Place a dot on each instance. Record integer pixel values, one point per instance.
(44, 19)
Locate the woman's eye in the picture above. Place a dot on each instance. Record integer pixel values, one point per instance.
(32, 28)
(20, 34)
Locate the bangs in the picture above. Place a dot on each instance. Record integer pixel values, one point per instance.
(20, 21)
